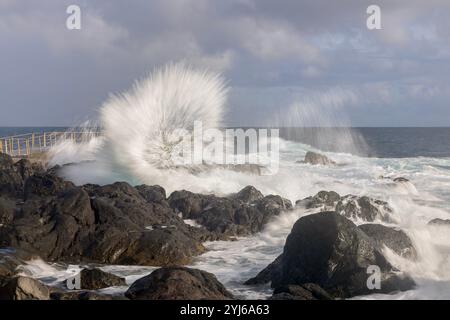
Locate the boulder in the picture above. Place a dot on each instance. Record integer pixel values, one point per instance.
(83, 295)
(248, 168)
(189, 204)
(395, 239)
(133, 230)
(8, 264)
(152, 193)
(161, 247)
(23, 288)
(364, 208)
(400, 179)
(439, 222)
(178, 283)
(307, 291)
(11, 260)
(53, 228)
(112, 224)
(27, 168)
(248, 195)
(273, 205)
(330, 251)
(403, 186)
(270, 273)
(229, 216)
(317, 158)
(7, 211)
(95, 279)
(325, 200)
(45, 185)
(11, 181)
(356, 208)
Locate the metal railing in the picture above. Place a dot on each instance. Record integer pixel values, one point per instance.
(24, 145)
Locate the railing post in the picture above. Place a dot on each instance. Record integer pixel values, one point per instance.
(27, 147)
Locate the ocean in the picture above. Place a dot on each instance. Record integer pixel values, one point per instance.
(378, 142)
(384, 142)
(139, 134)
(363, 155)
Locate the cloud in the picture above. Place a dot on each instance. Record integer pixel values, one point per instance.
(268, 40)
(269, 50)
(96, 36)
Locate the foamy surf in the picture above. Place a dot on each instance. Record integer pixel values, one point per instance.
(137, 135)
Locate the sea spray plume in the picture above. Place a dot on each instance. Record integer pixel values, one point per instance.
(141, 126)
(321, 118)
(78, 144)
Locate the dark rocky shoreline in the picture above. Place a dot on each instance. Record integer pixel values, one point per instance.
(326, 255)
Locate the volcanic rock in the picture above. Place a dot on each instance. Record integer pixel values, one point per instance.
(178, 283)
(395, 239)
(330, 251)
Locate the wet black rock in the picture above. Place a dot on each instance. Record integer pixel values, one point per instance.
(307, 291)
(125, 234)
(439, 222)
(330, 251)
(400, 179)
(8, 264)
(106, 224)
(248, 168)
(393, 238)
(317, 158)
(7, 210)
(152, 193)
(94, 279)
(23, 288)
(273, 205)
(230, 216)
(325, 200)
(11, 260)
(364, 208)
(357, 208)
(178, 283)
(83, 295)
(27, 168)
(45, 185)
(270, 273)
(51, 227)
(13, 175)
(248, 195)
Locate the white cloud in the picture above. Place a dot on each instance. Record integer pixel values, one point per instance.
(257, 43)
(311, 72)
(271, 40)
(96, 36)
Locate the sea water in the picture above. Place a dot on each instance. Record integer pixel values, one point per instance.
(426, 197)
(137, 128)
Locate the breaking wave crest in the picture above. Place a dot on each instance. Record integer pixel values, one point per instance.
(141, 127)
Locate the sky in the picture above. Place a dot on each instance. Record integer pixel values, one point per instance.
(288, 62)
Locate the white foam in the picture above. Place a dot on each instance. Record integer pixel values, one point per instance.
(135, 122)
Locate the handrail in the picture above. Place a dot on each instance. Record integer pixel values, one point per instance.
(48, 132)
(24, 145)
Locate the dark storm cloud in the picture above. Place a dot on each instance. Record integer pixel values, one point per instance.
(277, 56)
